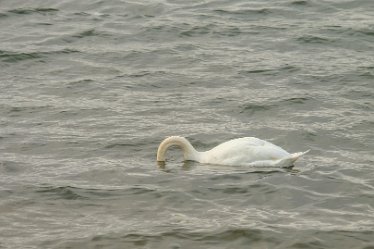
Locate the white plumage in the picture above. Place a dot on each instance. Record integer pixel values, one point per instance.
(244, 151)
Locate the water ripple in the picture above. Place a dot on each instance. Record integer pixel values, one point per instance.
(89, 89)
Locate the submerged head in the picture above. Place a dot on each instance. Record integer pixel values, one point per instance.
(189, 152)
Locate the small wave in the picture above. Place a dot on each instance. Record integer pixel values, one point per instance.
(349, 32)
(235, 237)
(120, 145)
(300, 100)
(25, 11)
(225, 235)
(7, 56)
(214, 30)
(244, 12)
(138, 146)
(272, 71)
(87, 193)
(9, 167)
(366, 31)
(13, 57)
(90, 32)
(3, 15)
(300, 2)
(66, 192)
(198, 30)
(22, 110)
(232, 234)
(253, 108)
(313, 39)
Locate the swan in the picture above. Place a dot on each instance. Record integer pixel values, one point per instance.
(245, 151)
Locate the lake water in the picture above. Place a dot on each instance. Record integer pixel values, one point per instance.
(90, 88)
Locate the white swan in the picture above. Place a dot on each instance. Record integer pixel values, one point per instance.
(244, 151)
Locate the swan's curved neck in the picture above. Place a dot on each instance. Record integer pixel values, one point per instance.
(189, 151)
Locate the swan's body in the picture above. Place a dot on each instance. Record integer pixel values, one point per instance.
(244, 151)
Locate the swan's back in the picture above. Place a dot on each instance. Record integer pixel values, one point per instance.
(243, 151)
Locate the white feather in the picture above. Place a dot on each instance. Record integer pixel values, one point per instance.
(244, 151)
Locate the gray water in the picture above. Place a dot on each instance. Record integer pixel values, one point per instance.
(90, 88)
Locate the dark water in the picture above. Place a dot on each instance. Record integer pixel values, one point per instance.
(90, 88)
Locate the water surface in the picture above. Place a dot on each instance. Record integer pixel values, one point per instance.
(89, 89)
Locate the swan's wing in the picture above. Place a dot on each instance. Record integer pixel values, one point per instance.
(242, 151)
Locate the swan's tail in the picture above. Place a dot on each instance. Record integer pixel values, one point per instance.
(290, 160)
